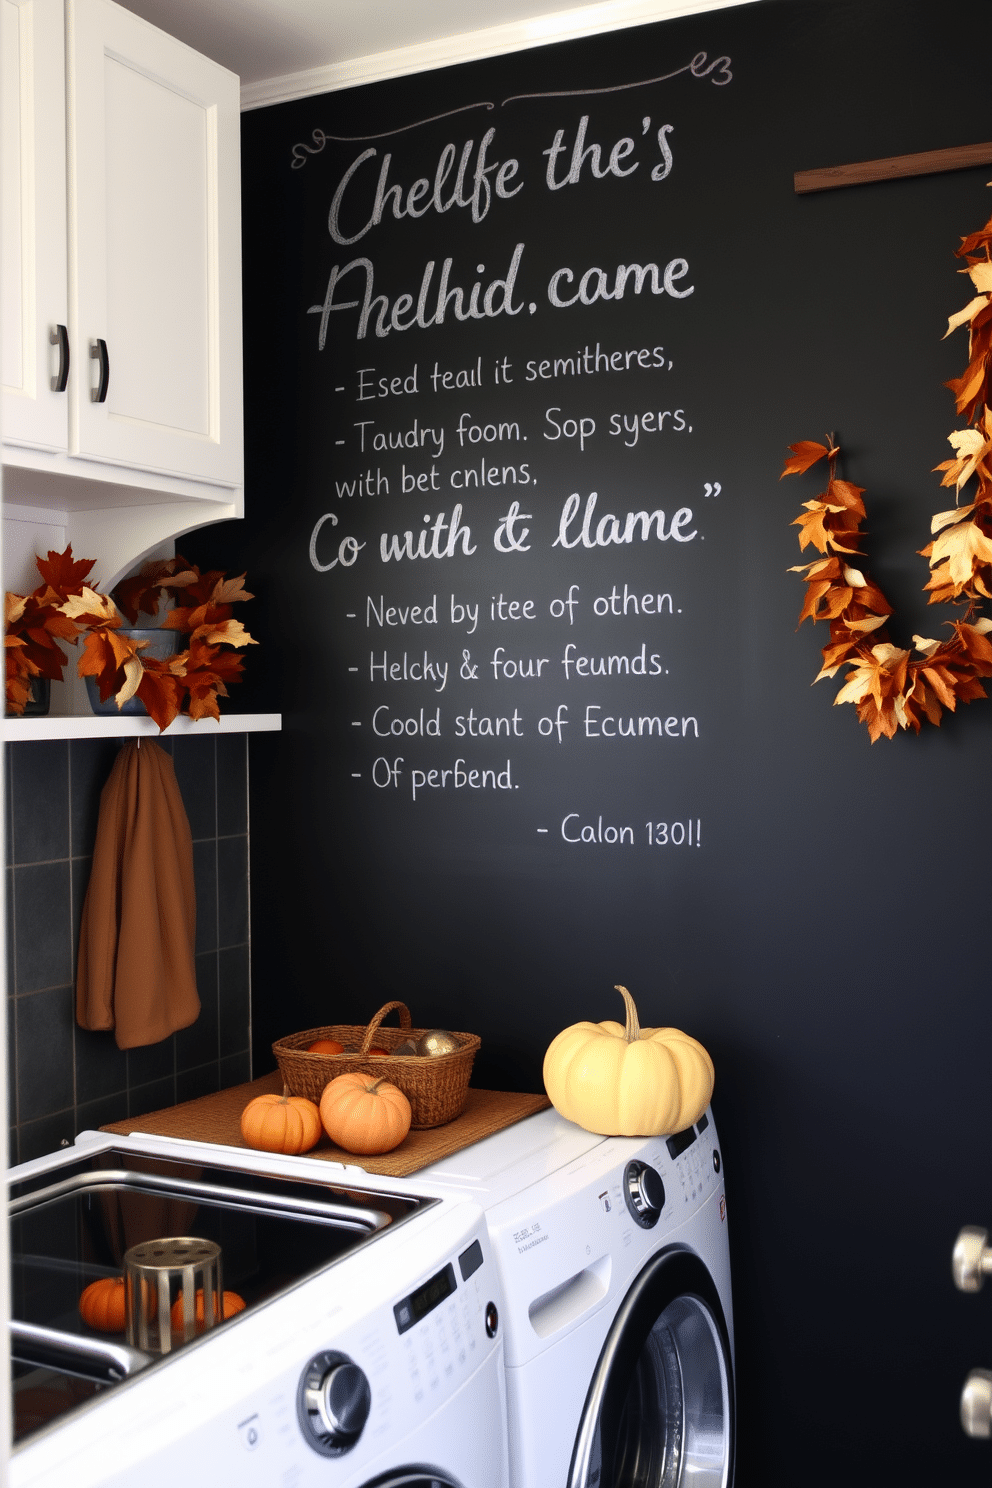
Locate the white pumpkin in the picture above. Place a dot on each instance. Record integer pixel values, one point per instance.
(628, 1081)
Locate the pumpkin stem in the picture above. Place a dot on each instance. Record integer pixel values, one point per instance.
(633, 1030)
(374, 1089)
(285, 1095)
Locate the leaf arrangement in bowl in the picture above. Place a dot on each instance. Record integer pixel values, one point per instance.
(65, 608)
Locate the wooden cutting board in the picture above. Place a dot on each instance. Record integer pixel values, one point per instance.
(216, 1118)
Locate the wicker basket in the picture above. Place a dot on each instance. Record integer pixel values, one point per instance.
(436, 1087)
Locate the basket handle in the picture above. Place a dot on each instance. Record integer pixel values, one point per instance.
(405, 1023)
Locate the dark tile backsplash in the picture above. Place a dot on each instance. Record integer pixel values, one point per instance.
(63, 1078)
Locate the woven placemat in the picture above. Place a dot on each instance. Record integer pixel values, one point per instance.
(217, 1118)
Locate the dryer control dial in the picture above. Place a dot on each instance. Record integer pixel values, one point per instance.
(333, 1403)
(644, 1193)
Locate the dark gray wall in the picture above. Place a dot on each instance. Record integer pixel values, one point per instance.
(829, 942)
(62, 1077)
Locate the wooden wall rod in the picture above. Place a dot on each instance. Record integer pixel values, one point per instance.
(927, 163)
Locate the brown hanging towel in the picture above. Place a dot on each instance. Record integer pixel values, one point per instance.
(136, 971)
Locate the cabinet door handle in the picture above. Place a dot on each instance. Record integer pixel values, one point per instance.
(98, 353)
(59, 336)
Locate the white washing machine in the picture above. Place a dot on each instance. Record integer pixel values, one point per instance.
(615, 1271)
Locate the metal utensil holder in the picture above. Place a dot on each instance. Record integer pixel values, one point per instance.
(160, 1273)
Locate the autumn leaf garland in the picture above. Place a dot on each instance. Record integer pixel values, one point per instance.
(65, 607)
(890, 687)
(34, 624)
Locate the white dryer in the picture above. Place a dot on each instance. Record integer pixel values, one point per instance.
(615, 1271)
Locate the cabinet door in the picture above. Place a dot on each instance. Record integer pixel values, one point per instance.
(154, 248)
(32, 221)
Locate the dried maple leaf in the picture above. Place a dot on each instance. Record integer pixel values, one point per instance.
(968, 388)
(964, 548)
(160, 693)
(107, 655)
(142, 592)
(942, 682)
(230, 591)
(966, 315)
(865, 626)
(204, 585)
(805, 454)
(971, 447)
(13, 607)
(925, 645)
(843, 493)
(943, 519)
(90, 608)
(975, 643)
(64, 574)
(224, 633)
(822, 530)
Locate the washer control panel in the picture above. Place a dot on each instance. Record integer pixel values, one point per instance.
(444, 1325)
(407, 1358)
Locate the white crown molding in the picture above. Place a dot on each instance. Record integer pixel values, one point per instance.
(470, 46)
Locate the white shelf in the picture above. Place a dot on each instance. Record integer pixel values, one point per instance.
(20, 730)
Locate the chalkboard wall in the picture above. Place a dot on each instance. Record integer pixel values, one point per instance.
(526, 341)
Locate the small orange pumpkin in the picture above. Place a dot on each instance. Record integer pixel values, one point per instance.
(231, 1303)
(281, 1123)
(104, 1305)
(325, 1046)
(364, 1115)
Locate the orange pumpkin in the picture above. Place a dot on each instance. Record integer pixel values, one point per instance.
(103, 1304)
(281, 1123)
(325, 1046)
(230, 1304)
(364, 1115)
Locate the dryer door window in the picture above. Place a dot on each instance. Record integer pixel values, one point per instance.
(659, 1412)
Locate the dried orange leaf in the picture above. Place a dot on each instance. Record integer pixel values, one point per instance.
(947, 518)
(928, 647)
(867, 625)
(227, 633)
(804, 454)
(963, 547)
(980, 275)
(229, 591)
(132, 676)
(88, 606)
(963, 317)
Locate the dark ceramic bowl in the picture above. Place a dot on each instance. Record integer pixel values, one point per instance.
(161, 643)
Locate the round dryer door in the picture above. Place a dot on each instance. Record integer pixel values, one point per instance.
(412, 1477)
(660, 1408)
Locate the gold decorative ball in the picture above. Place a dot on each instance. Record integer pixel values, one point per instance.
(437, 1041)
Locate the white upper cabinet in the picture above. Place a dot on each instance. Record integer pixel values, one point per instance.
(34, 303)
(121, 221)
(154, 248)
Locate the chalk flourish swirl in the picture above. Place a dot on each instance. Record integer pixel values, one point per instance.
(320, 137)
(718, 71)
